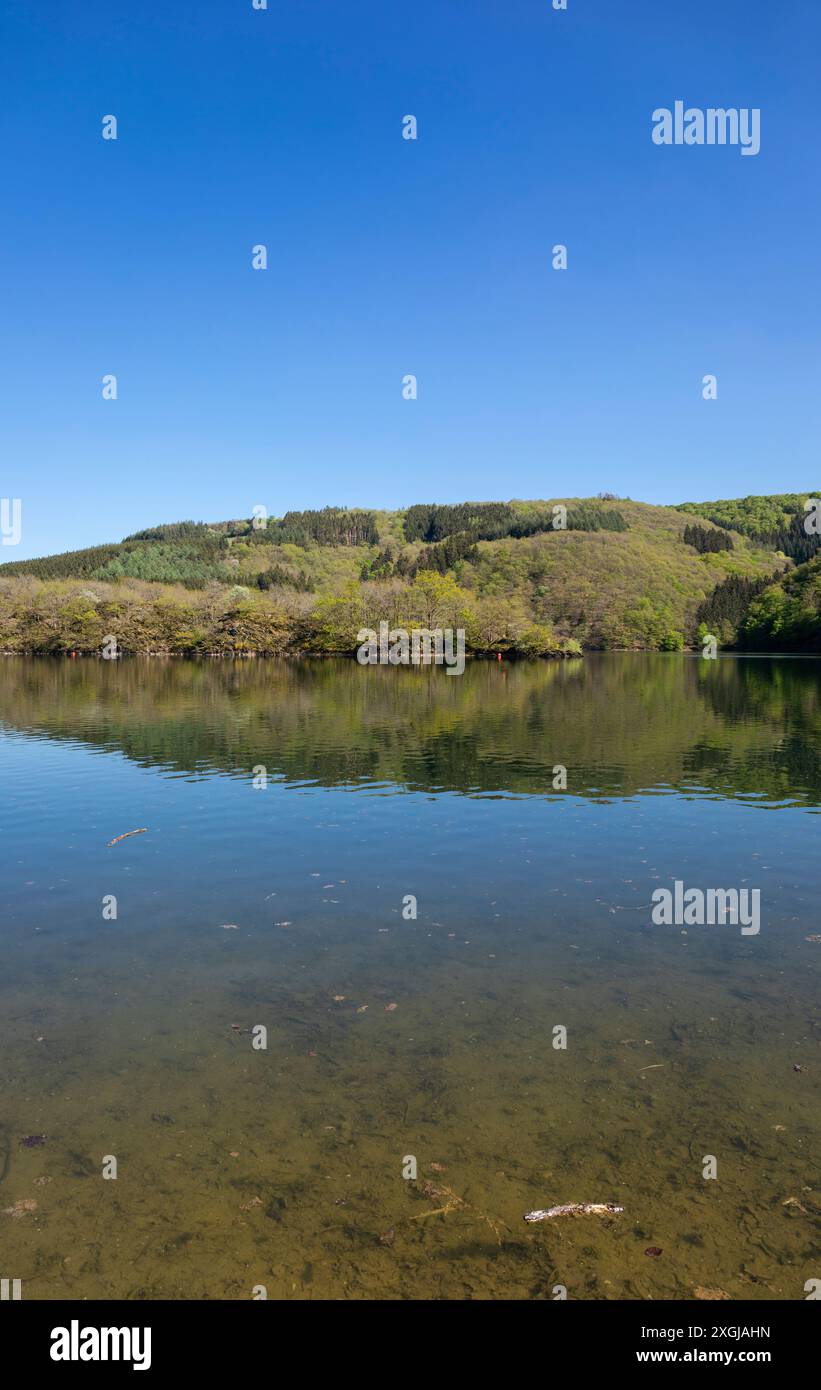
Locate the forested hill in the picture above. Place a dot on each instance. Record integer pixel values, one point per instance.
(532, 577)
(777, 521)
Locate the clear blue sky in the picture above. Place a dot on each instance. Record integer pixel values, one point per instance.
(389, 257)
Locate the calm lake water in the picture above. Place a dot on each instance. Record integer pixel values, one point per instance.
(282, 907)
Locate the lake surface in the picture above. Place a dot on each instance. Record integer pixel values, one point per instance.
(281, 906)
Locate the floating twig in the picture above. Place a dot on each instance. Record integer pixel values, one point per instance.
(117, 838)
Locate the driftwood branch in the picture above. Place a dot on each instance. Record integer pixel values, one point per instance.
(117, 838)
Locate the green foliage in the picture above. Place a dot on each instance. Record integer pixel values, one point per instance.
(382, 566)
(586, 518)
(70, 564)
(175, 531)
(487, 521)
(331, 526)
(619, 576)
(278, 575)
(448, 553)
(751, 516)
(335, 621)
(193, 558)
(705, 541)
(168, 562)
(724, 611)
(649, 625)
(435, 600)
(537, 640)
(787, 615)
(483, 520)
(776, 521)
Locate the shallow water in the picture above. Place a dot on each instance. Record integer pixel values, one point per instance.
(283, 1167)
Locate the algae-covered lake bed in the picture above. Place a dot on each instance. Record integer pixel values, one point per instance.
(384, 871)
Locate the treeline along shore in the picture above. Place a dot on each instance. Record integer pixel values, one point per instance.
(528, 579)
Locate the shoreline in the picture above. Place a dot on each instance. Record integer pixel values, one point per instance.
(77, 654)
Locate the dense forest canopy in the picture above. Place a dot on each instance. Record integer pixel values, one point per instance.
(705, 541)
(726, 608)
(786, 616)
(490, 521)
(777, 522)
(331, 526)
